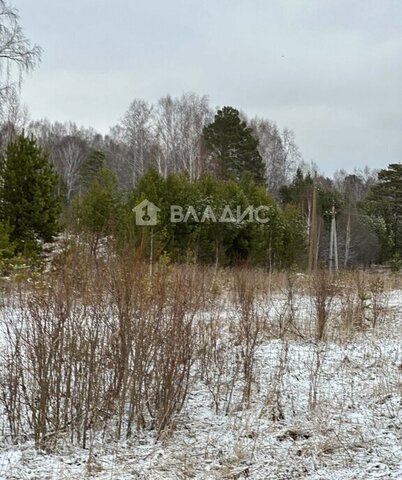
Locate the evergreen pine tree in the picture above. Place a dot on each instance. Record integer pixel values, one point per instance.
(91, 166)
(386, 201)
(29, 205)
(232, 143)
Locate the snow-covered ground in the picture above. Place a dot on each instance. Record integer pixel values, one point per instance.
(328, 411)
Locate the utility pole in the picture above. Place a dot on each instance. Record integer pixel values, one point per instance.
(333, 243)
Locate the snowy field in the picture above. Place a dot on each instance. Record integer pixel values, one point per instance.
(319, 410)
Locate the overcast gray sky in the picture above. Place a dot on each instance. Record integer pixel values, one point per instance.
(331, 70)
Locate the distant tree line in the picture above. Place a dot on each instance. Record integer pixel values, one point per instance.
(57, 177)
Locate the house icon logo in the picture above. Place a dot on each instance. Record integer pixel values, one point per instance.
(146, 213)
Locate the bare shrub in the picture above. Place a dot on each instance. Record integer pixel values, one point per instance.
(378, 304)
(173, 338)
(249, 327)
(99, 344)
(323, 290)
(319, 350)
(219, 362)
(363, 300)
(349, 310)
(274, 400)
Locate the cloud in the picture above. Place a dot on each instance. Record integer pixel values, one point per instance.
(330, 70)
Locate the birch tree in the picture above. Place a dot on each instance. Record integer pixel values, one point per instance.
(179, 124)
(71, 153)
(136, 132)
(193, 114)
(279, 152)
(17, 54)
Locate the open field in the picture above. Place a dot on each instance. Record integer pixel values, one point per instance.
(108, 373)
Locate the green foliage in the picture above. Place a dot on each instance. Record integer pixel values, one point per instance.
(396, 263)
(234, 147)
(327, 199)
(30, 206)
(209, 241)
(294, 242)
(7, 250)
(300, 193)
(385, 201)
(219, 241)
(90, 168)
(97, 212)
(168, 237)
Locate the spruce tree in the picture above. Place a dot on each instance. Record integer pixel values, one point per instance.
(91, 166)
(29, 205)
(386, 201)
(233, 145)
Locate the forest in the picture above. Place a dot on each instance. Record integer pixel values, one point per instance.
(61, 179)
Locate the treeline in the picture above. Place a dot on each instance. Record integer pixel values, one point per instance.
(167, 136)
(58, 177)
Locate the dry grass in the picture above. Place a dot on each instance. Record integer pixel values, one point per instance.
(99, 344)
